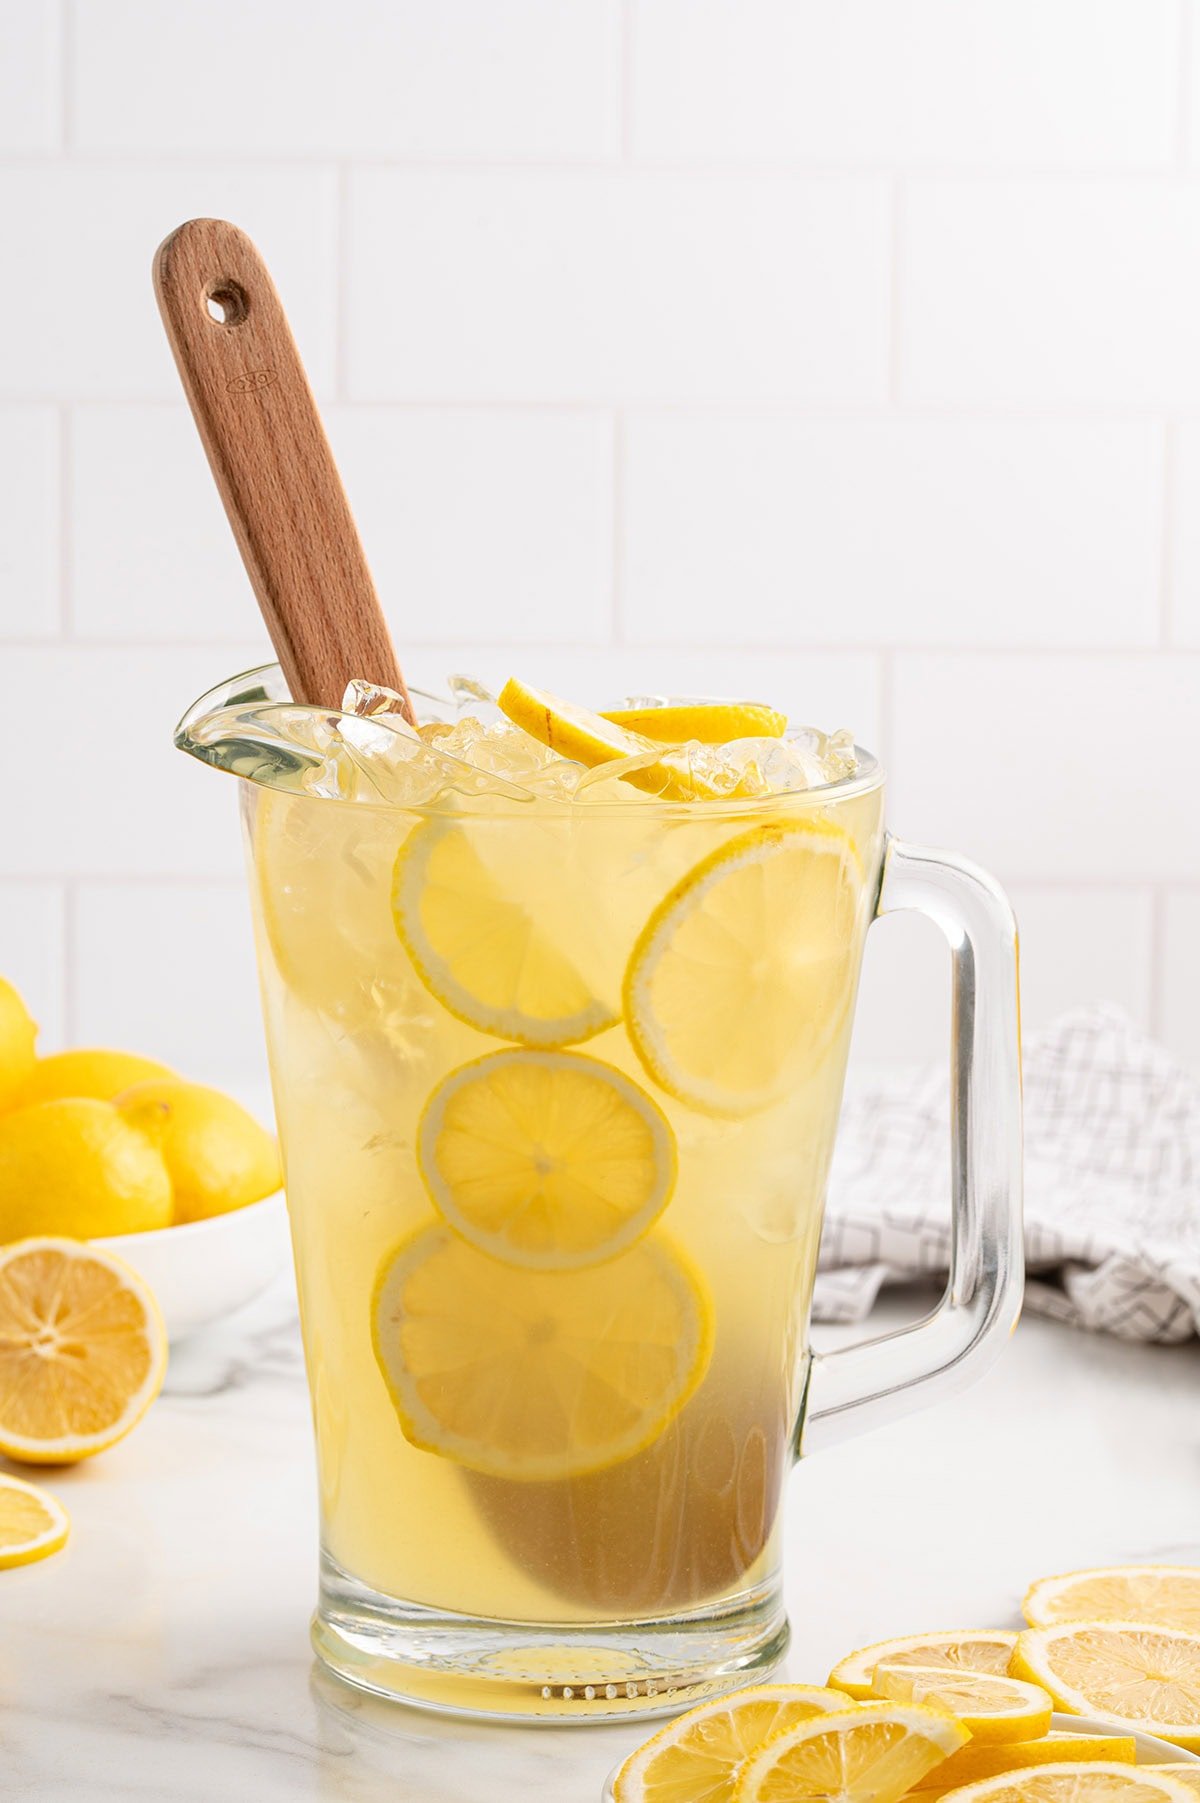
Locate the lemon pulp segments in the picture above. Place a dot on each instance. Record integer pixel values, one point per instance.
(1144, 1677)
(535, 1375)
(546, 1159)
(870, 1754)
(32, 1523)
(1092, 1781)
(482, 950)
(83, 1351)
(966, 1649)
(740, 980)
(1168, 1595)
(991, 1707)
(696, 1758)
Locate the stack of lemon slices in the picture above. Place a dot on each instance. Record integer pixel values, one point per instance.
(553, 1162)
(964, 1714)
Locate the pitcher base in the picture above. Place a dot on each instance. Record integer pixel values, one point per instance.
(532, 1671)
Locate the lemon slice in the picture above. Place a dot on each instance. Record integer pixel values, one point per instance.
(591, 739)
(742, 977)
(870, 1754)
(486, 951)
(1087, 1781)
(709, 722)
(976, 1760)
(32, 1524)
(1142, 1677)
(696, 1758)
(538, 1375)
(1166, 1594)
(83, 1350)
(992, 1708)
(1183, 1774)
(968, 1649)
(548, 1160)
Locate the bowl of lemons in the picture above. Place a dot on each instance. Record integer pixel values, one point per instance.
(175, 1177)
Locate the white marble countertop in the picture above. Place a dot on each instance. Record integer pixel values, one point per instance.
(165, 1654)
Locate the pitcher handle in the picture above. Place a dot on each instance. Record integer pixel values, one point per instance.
(864, 1386)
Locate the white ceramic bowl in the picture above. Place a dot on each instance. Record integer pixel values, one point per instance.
(204, 1270)
(1149, 1750)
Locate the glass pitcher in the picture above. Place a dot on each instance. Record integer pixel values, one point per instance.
(557, 1086)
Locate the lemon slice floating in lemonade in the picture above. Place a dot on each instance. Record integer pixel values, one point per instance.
(740, 981)
(483, 945)
(538, 1375)
(546, 1159)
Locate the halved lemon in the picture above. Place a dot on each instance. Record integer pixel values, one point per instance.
(1143, 1677)
(991, 1707)
(83, 1350)
(870, 1754)
(1166, 1594)
(696, 1758)
(33, 1524)
(1088, 1781)
(591, 739)
(549, 1160)
(491, 936)
(538, 1375)
(965, 1649)
(742, 978)
(975, 1760)
(708, 722)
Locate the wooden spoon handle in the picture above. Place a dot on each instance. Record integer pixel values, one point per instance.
(256, 415)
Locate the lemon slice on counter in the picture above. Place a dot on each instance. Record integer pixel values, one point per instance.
(870, 1754)
(1088, 1781)
(696, 1758)
(967, 1649)
(1168, 1595)
(493, 952)
(990, 1707)
(1135, 1675)
(83, 1350)
(1188, 1775)
(709, 722)
(32, 1523)
(742, 977)
(538, 1375)
(549, 1160)
(975, 1760)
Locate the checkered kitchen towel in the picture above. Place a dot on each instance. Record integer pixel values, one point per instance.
(1112, 1185)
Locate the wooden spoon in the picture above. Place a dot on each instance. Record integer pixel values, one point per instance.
(258, 420)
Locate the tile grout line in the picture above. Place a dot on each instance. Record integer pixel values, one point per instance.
(887, 704)
(66, 74)
(341, 300)
(1158, 958)
(895, 259)
(800, 648)
(70, 1007)
(66, 596)
(625, 28)
(1166, 572)
(173, 879)
(1183, 88)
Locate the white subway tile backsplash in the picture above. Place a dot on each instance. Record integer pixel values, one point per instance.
(30, 74)
(1045, 292)
(167, 969)
(32, 954)
(30, 528)
(1179, 975)
(484, 524)
(365, 77)
(1184, 514)
(1050, 768)
(152, 556)
(81, 322)
(594, 286)
(105, 792)
(896, 531)
(1028, 83)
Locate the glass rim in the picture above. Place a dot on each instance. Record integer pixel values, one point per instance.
(867, 777)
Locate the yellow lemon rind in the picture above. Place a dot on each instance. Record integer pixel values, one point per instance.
(1031, 1661)
(1027, 1717)
(939, 1731)
(853, 1672)
(53, 1537)
(1170, 1789)
(1038, 1616)
(506, 1250)
(628, 1783)
(708, 722)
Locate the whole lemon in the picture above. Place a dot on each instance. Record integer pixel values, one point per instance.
(18, 1031)
(87, 1071)
(74, 1167)
(218, 1156)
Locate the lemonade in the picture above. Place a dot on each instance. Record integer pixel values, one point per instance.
(557, 1060)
